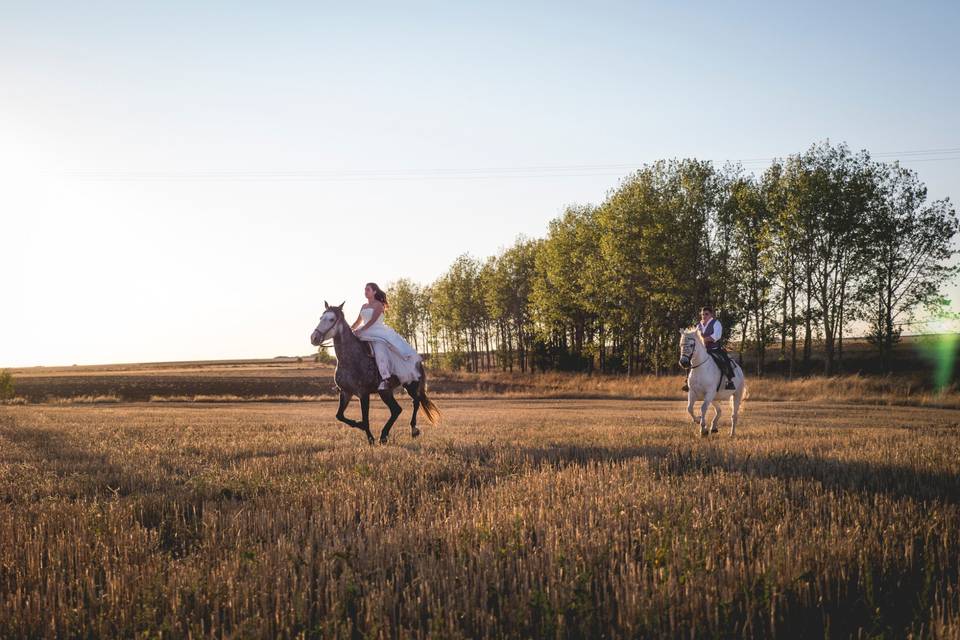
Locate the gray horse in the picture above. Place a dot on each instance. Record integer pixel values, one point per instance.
(357, 375)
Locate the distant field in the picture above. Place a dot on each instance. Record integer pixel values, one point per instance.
(287, 380)
(250, 379)
(517, 518)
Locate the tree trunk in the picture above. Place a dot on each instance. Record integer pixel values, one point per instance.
(783, 326)
(793, 329)
(828, 317)
(839, 366)
(743, 340)
(603, 346)
(808, 328)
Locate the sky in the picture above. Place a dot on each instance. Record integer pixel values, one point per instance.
(183, 181)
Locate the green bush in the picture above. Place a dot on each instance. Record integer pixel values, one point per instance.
(6, 385)
(323, 357)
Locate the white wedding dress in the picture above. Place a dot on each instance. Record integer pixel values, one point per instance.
(394, 355)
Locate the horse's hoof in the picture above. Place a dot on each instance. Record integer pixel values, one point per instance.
(414, 432)
(714, 430)
(371, 440)
(384, 439)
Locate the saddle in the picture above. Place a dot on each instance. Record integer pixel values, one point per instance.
(724, 362)
(720, 356)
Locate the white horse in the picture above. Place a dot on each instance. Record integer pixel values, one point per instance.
(707, 383)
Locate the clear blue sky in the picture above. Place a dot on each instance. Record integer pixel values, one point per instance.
(151, 206)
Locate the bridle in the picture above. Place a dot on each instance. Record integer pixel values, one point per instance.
(323, 342)
(690, 368)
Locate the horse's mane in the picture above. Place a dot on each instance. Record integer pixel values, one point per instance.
(696, 334)
(341, 316)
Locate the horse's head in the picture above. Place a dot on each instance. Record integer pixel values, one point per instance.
(688, 347)
(331, 317)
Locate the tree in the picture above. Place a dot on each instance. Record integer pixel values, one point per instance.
(507, 284)
(623, 221)
(558, 297)
(911, 245)
(752, 235)
(406, 309)
(786, 252)
(458, 312)
(498, 293)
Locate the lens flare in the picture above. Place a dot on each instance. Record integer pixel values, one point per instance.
(940, 348)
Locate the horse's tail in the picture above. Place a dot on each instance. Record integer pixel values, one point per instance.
(429, 409)
(745, 394)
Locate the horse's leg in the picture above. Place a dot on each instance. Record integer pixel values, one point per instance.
(707, 401)
(735, 400)
(413, 388)
(716, 418)
(690, 402)
(365, 413)
(344, 402)
(395, 409)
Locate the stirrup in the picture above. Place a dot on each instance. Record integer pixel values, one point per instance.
(730, 385)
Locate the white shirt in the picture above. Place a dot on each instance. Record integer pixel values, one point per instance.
(717, 330)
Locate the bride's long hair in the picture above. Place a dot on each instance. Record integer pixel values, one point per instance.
(378, 294)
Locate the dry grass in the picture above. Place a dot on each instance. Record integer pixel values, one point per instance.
(894, 390)
(536, 518)
(87, 400)
(234, 398)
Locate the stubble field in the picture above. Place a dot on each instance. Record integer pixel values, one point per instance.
(516, 518)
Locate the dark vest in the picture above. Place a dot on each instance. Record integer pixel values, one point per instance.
(708, 330)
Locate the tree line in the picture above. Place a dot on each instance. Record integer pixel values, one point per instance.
(818, 241)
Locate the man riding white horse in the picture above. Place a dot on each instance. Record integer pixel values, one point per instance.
(705, 381)
(711, 331)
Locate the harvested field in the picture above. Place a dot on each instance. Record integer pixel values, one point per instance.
(518, 518)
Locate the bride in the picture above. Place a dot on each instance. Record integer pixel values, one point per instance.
(394, 355)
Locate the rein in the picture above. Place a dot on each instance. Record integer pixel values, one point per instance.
(702, 362)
